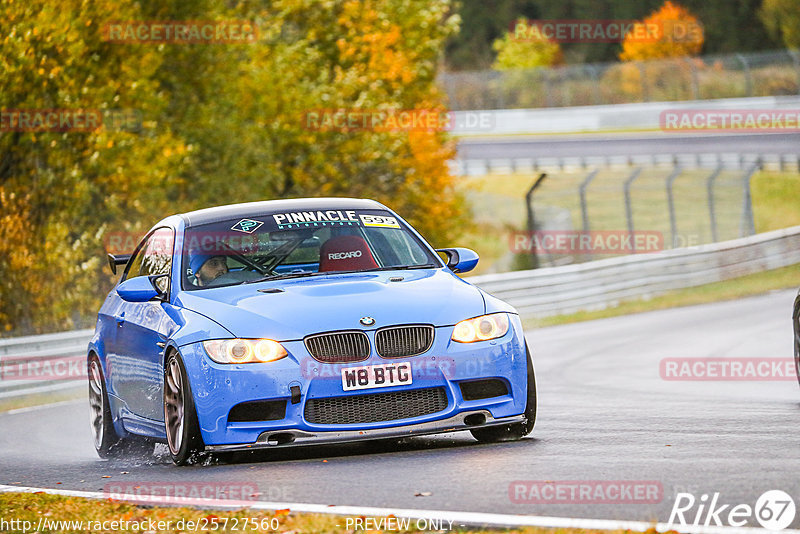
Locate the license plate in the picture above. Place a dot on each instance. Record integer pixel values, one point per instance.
(376, 376)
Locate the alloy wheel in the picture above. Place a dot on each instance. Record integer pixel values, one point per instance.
(173, 406)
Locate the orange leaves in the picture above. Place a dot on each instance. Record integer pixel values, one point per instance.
(373, 45)
(676, 33)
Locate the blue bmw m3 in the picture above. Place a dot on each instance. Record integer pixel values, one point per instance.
(293, 322)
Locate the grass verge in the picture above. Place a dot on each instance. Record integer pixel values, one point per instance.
(34, 508)
(744, 286)
(26, 401)
(499, 210)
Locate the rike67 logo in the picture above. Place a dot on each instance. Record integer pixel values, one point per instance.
(774, 510)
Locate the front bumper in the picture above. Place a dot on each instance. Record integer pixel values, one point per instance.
(293, 438)
(217, 388)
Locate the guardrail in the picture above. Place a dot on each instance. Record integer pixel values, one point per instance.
(25, 357)
(603, 283)
(536, 293)
(582, 119)
(727, 161)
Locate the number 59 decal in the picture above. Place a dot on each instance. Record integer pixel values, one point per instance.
(379, 220)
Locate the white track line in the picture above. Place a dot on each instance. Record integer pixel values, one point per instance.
(458, 518)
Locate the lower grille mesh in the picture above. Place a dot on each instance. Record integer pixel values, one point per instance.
(483, 389)
(375, 407)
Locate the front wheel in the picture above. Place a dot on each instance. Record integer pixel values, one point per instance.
(180, 417)
(513, 431)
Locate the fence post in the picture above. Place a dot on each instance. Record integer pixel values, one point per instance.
(582, 193)
(748, 78)
(710, 191)
(693, 81)
(673, 223)
(748, 224)
(548, 93)
(645, 89)
(628, 208)
(503, 93)
(796, 60)
(584, 207)
(531, 219)
(596, 79)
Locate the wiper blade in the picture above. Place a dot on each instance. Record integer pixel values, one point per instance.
(401, 268)
(282, 276)
(423, 266)
(379, 269)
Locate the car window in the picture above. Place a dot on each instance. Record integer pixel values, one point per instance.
(158, 254)
(134, 264)
(307, 243)
(395, 248)
(155, 255)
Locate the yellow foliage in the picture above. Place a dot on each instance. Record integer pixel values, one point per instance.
(525, 50)
(219, 125)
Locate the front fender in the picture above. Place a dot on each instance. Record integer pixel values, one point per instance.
(192, 327)
(495, 305)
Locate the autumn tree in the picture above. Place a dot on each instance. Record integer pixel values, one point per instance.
(524, 49)
(220, 123)
(678, 34)
(60, 191)
(782, 19)
(355, 55)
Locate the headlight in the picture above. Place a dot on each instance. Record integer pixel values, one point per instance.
(481, 328)
(244, 350)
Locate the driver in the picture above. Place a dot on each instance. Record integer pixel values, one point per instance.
(207, 267)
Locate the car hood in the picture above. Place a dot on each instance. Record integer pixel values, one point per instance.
(324, 303)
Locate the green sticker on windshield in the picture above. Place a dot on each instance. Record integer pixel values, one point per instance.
(247, 226)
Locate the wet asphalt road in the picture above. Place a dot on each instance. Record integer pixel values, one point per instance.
(605, 414)
(627, 145)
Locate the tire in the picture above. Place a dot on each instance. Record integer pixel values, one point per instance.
(513, 431)
(180, 417)
(106, 440)
(796, 331)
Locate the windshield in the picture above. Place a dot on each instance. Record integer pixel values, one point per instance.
(296, 244)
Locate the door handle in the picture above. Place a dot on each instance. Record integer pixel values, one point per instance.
(120, 318)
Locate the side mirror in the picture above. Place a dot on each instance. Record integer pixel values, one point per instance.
(460, 260)
(143, 288)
